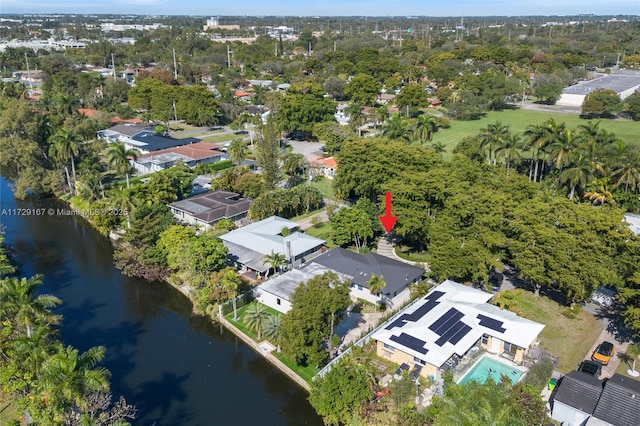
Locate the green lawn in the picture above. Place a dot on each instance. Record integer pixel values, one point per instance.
(325, 186)
(323, 231)
(224, 137)
(405, 252)
(306, 373)
(240, 322)
(306, 215)
(519, 119)
(568, 334)
(624, 366)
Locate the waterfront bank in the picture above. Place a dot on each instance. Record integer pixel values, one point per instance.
(176, 367)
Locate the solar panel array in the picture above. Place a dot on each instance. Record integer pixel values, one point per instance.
(449, 327)
(410, 342)
(491, 323)
(432, 302)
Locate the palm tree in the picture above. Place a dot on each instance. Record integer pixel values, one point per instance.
(576, 175)
(256, 317)
(32, 351)
(357, 117)
(424, 127)
(563, 147)
(89, 187)
(231, 282)
(627, 172)
(382, 115)
(492, 137)
(70, 376)
(65, 147)
(66, 103)
(118, 157)
(396, 128)
(276, 260)
(633, 351)
(293, 166)
(272, 329)
(537, 139)
(122, 200)
(510, 150)
(18, 299)
(598, 192)
(237, 151)
(439, 147)
(376, 283)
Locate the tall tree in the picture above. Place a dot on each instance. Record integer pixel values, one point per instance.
(256, 317)
(273, 330)
(231, 282)
(424, 127)
(237, 151)
(510, 151)
(268, 153)
(65, 147)
(376, 283)
(118, 157)
(19, 300)
(492, 137)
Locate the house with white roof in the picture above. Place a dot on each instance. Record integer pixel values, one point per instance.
(249, 245)
(449, 321)
(277, 291)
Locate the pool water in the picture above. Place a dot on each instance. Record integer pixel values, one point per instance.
(489, 367)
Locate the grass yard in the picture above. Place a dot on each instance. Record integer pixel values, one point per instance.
(407, 253)
(568, 334)
(325, 186)
(322, 231)
(519, 119)
(306, 373)
(306, 215)
(224, 137)
(240, 322)
(624, 366)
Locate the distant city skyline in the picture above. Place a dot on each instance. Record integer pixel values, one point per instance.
(327, 7)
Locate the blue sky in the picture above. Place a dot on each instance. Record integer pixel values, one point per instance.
(327, 7)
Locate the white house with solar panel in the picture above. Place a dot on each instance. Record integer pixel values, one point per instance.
(453, 319)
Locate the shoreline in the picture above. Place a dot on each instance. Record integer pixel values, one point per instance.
(255, 346)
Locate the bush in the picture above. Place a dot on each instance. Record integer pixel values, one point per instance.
(539, 374)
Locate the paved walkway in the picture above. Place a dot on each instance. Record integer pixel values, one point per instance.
(386, 247)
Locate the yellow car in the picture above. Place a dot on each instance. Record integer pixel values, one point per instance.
(603, 353)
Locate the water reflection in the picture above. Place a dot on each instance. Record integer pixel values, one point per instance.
(177, 368)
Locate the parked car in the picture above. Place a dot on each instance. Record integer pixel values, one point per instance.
(591, 367)
(603, 353)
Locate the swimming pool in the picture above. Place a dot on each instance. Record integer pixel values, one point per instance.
(489, 367)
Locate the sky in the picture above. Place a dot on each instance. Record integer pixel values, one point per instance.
(326, 7)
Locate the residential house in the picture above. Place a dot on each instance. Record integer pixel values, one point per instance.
(582, 400)
(277, 291)
(122, 132)
(634, 222)
(326, 167)
(352, 267)
(397, 275)
(385, 98)
(190, 155)
(448, 322)
(143, 138)
(207, 209)
(249, 245)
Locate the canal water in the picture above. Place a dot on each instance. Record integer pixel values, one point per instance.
(177, 368)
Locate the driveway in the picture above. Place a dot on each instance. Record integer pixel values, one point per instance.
(620, 348)
(310, 150)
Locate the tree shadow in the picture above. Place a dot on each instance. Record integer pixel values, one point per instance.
(166, 390)
(614, 323)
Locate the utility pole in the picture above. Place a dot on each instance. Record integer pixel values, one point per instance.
(276, 46)
(228, 57)
(175, 113)
(113, 64)
(309, 49)
(175, 66)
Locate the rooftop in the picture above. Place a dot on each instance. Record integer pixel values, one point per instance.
(213, 206)
(579, 390)
(616, 82)
(248, 245)
(450, 320)
(150, 141)
(397, 275)
(284, 285)
(194, 151)
(619, 403)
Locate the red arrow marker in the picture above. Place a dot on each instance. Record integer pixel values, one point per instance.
(388, 220)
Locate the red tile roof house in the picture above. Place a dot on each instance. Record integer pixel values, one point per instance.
(191, 155)
(326, 167)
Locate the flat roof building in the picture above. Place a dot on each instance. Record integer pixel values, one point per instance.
(624, 84)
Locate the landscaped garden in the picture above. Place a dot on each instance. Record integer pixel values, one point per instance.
(569, 333)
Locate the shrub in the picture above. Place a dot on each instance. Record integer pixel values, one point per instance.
(539, 374)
